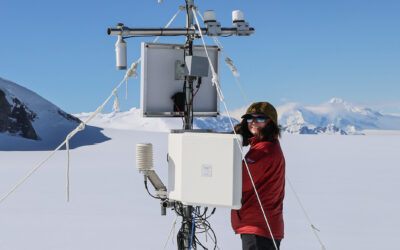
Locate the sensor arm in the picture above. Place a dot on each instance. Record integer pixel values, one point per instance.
(125, 31)
(161, 190)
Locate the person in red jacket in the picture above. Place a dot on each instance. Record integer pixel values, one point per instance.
(260, 129)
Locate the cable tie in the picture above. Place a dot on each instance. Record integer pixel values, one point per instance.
(81, 126)
(232, 67)
(313, 227)
(116, 105)
(214, 79)
(132, 70)
(69, 136)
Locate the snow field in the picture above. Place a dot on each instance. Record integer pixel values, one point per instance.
(348, 185)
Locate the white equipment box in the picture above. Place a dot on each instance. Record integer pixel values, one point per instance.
(205, 169)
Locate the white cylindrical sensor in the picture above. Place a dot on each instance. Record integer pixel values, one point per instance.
(237, 16)
(209, 16)
(120, 53)
(144, 156)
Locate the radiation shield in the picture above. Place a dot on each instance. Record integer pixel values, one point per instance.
(160, 80)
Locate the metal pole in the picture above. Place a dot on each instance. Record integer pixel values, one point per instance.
(188, 84)
(188, 120)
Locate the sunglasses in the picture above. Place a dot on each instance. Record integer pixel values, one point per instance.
(257, 119)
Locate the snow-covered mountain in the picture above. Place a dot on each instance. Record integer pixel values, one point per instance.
(26, 114)
(333, 117)
(133, 120)
(28, 121)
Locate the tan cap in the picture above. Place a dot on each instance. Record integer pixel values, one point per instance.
(264, 108)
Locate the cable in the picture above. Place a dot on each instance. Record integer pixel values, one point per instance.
(192, 233)
(214, 79)
(195, 93)
(178, 210)
(314, 229)
(201, 226)
(205, 211)
(212, 212)
(169, 23)
(67, 170)
(182, 233)
(145, 185)
(179, 112)
(170, 232)
(68, 137)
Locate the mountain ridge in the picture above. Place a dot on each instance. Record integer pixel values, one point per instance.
(333, 117)
(30, 122)
(29, 115)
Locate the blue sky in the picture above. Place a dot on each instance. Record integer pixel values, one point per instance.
(303, 51)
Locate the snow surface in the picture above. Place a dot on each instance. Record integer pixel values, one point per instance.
(348, 185)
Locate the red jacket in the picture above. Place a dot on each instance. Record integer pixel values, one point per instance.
(267, 167)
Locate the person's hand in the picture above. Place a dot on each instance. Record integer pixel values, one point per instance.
(238, 129)
(243, 131)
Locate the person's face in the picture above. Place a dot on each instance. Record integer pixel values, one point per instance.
(256, 123)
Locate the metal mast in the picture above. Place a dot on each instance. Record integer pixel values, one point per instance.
(213, 29)
(188, 122)
(188, 85)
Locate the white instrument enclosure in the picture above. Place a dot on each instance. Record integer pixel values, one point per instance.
(158, 83)
(205, 169)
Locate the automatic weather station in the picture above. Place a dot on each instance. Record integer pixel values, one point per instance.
(182, 80)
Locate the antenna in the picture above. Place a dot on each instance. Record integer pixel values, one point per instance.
(204, 168)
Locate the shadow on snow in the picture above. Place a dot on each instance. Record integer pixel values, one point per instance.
(90, 136)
